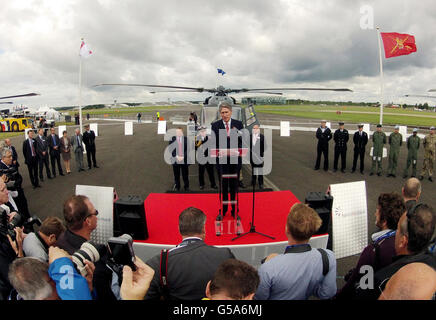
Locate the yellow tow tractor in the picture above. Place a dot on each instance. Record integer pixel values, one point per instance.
(10, 124)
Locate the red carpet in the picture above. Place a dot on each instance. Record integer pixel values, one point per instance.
(163, 209)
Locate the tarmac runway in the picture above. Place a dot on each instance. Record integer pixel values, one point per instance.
(134, 165)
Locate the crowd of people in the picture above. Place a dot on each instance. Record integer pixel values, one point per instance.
(379, 140)
(399, 263)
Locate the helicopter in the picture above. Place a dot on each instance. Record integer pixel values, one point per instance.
(210, 110)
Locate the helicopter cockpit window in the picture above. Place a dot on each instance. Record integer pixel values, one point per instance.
(236, 113)
(210, 114)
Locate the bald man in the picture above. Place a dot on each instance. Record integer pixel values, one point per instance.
(411, 192)
(414, 281)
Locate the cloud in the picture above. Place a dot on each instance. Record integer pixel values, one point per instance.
(258, 43)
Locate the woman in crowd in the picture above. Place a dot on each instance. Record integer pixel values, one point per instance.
(66, 150)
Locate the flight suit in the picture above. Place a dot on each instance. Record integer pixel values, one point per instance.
(413, 143)
(341, 139)
(395, 141)
(429, 144)
(378, 140)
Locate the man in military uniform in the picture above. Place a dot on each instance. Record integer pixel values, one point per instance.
(395, 141)
(341, 139)
(323, 134)
(413, 143)
(429, 144)
(360, 140)
(378, 141)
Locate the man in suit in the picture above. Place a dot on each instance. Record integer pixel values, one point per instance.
(89, 141)
(42, 150)
(13, 182)
(180, 157)
(324, 135)
(225, 164)
(55, 154)
(257, 149)
(340, 137)
(201, 140)
(14, 153)
(360, 140)
(191, 264)
(31, 158)
(77, 142)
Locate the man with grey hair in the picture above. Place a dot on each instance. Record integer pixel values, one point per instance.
(190, 265)
(14, 152)
(411, 192)
(77, 142)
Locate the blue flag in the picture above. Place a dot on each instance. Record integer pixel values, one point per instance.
(221, 71)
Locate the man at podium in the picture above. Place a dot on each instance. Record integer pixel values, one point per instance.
(228, 136)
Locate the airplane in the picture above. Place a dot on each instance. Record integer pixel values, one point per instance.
(210, 110)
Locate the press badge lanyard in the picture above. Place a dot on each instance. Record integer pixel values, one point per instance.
(387, 235)
(187, 242)
(297, 248)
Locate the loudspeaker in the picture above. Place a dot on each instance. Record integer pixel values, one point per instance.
(322, 203)
(129, 217)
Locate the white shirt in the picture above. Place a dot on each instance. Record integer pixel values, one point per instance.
(255, 137)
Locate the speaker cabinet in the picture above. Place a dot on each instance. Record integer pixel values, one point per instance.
(129, 217)
(322, 204)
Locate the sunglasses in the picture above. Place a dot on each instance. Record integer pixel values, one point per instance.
(92, 214)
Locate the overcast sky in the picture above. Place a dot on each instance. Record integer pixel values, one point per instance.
(258, 43)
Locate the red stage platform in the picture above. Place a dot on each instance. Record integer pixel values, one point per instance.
(162, 211)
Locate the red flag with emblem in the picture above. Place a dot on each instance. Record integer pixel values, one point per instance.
(398, 44)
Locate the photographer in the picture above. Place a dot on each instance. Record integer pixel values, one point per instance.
(13, 180)
(37, 244)
(9, 249)
(37, 280)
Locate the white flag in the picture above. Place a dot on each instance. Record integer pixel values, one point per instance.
(84, 50)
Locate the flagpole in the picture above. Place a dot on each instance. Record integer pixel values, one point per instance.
(381, 75)
(80, 93)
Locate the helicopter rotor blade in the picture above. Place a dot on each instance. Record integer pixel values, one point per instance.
(154, 86)
(293, 89)
(432, 90)
(419, 96)
(6, 102)
(21, 95)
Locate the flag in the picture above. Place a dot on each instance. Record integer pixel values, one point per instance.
(397, 44)
(84, 50)
(221, 71)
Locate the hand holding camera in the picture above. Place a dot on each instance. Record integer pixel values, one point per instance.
(135, 284)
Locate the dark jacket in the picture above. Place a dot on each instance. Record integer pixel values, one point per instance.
(257, 153)
(51, 143)
(235, 126)
(190, 268)
(7, 256)
(41, 146)
(89, 139)
(323, 138)
(102, 280)
(360, 141)
(341, 138)
(176, 151)
(27, 151)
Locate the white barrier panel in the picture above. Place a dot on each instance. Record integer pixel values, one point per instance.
(328, 125)
(60, 130)
(350, 218)
(103, 200)
(162, 127)
(367, 128)
(25, 132)
(94, 127)
(249, 253)
(403, 131)
(284, 129)
(128, 128)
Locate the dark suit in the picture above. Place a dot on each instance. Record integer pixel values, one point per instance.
(224, 166)
(14, 156)
(15, 185)
(31, 160)
(55, 154)
(341, 139)
(78, 150)
(207, 166)
(41, 148)
(256, 157)
(89, 141)
(323, 147)
(181, 166)
(360, 142)
(190, 267)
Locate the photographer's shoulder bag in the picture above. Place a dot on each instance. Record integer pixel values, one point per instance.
(164, 274)
(325, 262)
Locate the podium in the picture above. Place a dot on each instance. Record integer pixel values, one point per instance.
(228, 170)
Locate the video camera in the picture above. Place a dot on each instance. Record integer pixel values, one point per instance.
(7, 227)
(119, 252)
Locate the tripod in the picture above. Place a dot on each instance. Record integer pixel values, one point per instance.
(252, 226)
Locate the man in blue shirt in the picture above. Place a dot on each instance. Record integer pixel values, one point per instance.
(301, 272)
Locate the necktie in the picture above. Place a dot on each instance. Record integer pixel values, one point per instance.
(33, 149)
(78, 141)
(227, 128)
(54, 140)
(180, 147)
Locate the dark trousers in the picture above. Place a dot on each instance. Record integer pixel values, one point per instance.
(324, 150)
(55, 157)
(43, 161)
(21, 203)
(90, 152)
(229, 185)
(210, 172)
(340, 152)
(183, 168)
(359, 153)
(32, 166)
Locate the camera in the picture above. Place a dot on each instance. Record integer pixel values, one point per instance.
(7, 227)
(118, 251)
